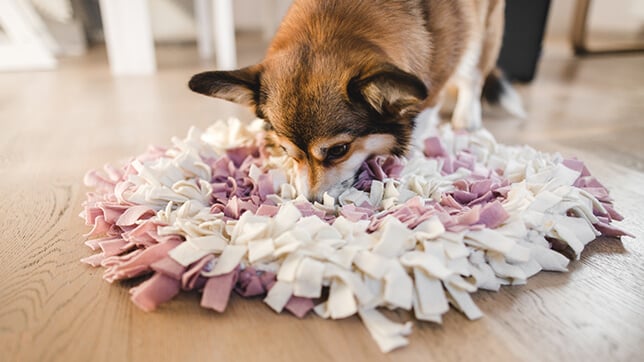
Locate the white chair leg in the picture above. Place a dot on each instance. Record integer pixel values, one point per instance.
(128, 36)
(203, 18)
(27, 45)
(224, 30)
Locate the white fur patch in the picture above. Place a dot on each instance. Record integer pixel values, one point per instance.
(302, 181)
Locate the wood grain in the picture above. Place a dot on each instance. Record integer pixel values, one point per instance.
(57, 125)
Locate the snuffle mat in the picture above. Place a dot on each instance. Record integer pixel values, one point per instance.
(218, 212)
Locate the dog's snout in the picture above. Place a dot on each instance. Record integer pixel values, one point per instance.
(314, 188)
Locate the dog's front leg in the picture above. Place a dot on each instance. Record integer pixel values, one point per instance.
(467, 113)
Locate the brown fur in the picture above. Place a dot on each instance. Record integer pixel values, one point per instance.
(339, 72)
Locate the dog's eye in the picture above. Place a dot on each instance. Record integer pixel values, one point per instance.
(337, 151)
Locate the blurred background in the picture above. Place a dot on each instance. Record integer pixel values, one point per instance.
(124, 64)
(34, 34)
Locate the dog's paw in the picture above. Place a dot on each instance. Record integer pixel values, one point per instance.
(468, 117)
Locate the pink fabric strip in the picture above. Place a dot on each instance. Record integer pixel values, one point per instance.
(217, 291)
(154, 291)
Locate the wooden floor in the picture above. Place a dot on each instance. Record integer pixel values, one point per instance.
(54, 126)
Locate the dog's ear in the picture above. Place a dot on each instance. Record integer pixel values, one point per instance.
(387, 89)
(239, 86)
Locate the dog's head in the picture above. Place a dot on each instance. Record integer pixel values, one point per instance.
(329, 114)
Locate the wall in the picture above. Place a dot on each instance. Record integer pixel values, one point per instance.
(172, 20)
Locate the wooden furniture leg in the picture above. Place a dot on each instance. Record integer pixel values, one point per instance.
(579, 34)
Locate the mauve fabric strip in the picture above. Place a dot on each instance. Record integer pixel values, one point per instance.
(216, 292)
(299, 306)
(158, 289)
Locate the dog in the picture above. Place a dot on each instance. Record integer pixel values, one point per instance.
(344, 80)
